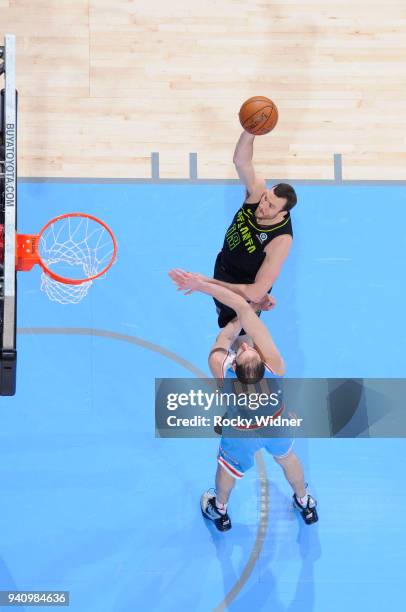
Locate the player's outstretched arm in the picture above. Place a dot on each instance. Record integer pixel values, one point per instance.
(242, 159)
(190, 282)
(254, 327)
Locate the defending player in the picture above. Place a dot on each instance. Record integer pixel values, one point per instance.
(236, 455)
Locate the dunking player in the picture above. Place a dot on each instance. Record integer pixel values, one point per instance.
(236, 455)
(256, 244)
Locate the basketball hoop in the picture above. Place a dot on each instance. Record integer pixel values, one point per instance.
(73, 250)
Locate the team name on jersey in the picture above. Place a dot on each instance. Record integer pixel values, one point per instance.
(238, 232)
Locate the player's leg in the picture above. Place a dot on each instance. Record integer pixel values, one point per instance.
(293, 471)
(235, 456)
(214, 502)
(224, 485)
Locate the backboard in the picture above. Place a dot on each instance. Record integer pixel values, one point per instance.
(8, 215)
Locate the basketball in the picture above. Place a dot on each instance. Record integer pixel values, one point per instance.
(258, 115)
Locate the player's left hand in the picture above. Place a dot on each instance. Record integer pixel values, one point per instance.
(268, 302)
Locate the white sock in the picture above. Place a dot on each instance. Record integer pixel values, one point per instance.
(303, 500)
(222, 508)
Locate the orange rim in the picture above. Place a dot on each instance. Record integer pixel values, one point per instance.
(80, 281)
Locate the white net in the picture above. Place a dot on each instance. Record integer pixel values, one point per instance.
(73, 247)
(62, 293)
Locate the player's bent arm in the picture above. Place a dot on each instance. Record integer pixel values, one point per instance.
(243, 164)
(262, 339)
(275, 254)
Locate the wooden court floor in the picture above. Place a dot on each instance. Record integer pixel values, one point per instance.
(103, 84)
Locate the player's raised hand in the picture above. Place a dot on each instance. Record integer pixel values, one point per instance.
(187, 281)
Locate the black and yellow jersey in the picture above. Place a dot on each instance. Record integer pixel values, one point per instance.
(245, 241)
